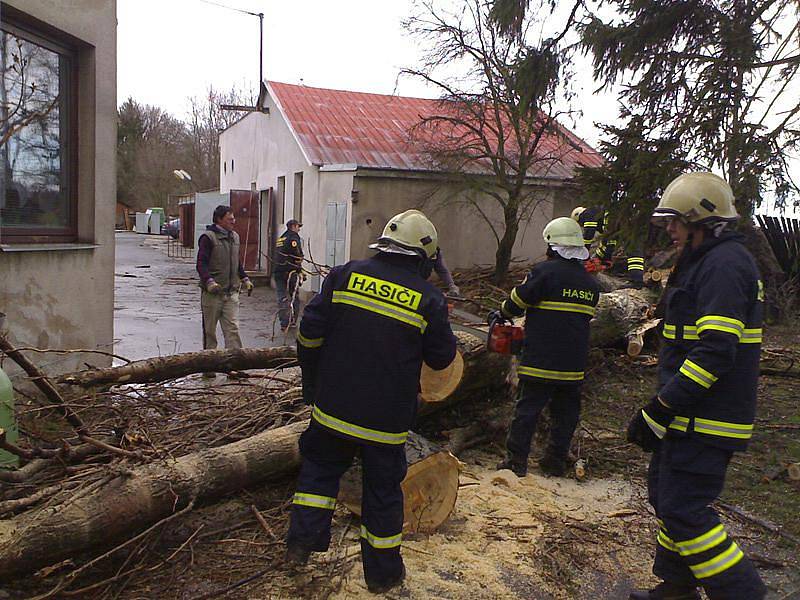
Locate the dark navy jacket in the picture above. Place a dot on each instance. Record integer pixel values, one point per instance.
(708, 364)
(288, 252)
(558, 299)
(364, 337)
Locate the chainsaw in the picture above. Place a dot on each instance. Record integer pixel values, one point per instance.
(502, 339)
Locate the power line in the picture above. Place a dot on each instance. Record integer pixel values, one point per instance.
(246, 12)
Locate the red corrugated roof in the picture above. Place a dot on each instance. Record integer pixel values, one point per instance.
(372, 130)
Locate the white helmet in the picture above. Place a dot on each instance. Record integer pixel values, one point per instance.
(410, 232)
(563, 231)
(697, 198)
(577, 212)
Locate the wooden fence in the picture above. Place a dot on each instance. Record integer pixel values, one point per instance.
(783, 235)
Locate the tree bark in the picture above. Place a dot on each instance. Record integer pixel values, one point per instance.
(618, 314)
(179, 365)
(131, 503)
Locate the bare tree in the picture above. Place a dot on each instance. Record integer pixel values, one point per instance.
(496, 133)
(206, 121)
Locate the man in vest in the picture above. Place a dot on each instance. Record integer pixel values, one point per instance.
(289, 273)
(558, 299)
(221, 279)
(707, 385)
(361, 345)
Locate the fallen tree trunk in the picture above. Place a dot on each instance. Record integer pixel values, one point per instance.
(179, 365)
(132, 502)
(619, 314)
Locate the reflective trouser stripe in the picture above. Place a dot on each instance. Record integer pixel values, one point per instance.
(666, 542)
(721, 562)
(680, 423)
(309, 342)
(697, 374)
(314, 501)
(382, 308)
(381, 543)
(701, 543)
(566, 307)
(546, 374)
(353, 430)
(635, 264)
(590, 224)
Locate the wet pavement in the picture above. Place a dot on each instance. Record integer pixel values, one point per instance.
(157, 303)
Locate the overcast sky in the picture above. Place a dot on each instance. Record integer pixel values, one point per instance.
(356, 45)
(172, 50)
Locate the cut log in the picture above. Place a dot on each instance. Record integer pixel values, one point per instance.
(635, 337)
(179, 365)
(793, 470)
(430, 488)
(480, 371)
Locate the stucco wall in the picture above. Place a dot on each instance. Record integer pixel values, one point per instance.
(263, 148)
(465, 238)
(65, 298)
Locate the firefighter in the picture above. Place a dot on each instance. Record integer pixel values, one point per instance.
(289, 273)
(706, 401)
(594, 221)
(361, 345)
(558, 299)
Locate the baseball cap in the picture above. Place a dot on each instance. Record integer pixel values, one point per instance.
(291, 222)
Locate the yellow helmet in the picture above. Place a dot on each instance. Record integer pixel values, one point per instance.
(697, 198)
(410, 232)
(563, 231)
(577, 212)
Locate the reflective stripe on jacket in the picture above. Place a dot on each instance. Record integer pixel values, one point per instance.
(364, 337)
(558, 299)
(708, 363)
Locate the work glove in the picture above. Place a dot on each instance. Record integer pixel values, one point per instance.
(454, 291)
(495, 317)
(212, 287)
(649, 425)
(248, 285)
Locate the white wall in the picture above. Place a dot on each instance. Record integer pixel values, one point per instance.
(263, 148)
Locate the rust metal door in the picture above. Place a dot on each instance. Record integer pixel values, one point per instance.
(269, 234)
(244, 205)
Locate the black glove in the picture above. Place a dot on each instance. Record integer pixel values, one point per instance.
(309, 385)
(496, 317)
(649, 425)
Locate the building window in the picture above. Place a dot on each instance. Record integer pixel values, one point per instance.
(231, 165)
(298, 196)
(38, 134)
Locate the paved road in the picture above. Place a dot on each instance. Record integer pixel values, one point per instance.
(157, 303)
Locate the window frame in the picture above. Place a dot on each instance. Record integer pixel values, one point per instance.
(34, 31)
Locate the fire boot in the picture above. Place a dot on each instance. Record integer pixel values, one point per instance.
(382, 588)
(666, 591)
(552, 465)
(519, 468)
(297, 555)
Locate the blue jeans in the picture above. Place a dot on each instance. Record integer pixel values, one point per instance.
(288, 300)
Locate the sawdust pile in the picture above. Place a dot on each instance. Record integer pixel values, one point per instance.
(533, 537)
